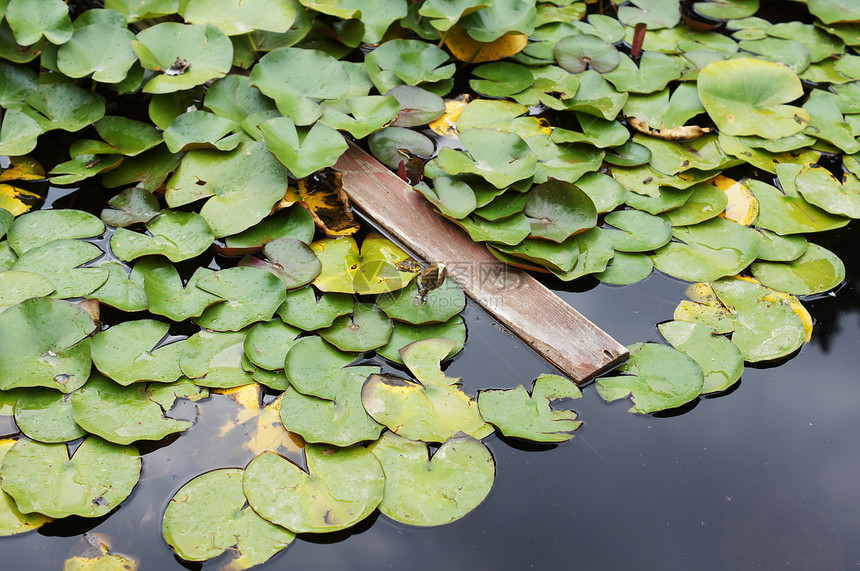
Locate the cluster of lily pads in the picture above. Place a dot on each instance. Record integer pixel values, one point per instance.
(592, 140)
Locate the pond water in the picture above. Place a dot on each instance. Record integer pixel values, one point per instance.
(762, 476)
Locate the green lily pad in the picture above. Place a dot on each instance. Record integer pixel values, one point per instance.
(764, 159)
(131, 206)
(432, 409)
(819, 187)
(46, 415)
(314, 367)
(208, 516)
(303, 150)
(575, 53)
(795, 55)
(64, 106)
(659, 109)
(625, 269)
(629, 154)
(437, 306)
(59, 260)
(244, 185)
(499, 18)
(167, 296)
(834, 11)
(32, 19)
(519, 414)
(375, 17)
(11, 50)
(82, 167)
(657, 378)
(214, 359)
(721, 361)
(703, 153)
(727, 9)
(443, 14)
(45, 344)
(12, 521)
(102, 49)
(18, 133)
(636, 231)
(362, 115)
(304, 310)
(174, 234)
(790, 214)
(380, 267)
(42, 226)
(563, 162)
(128, 414)
(127, 136)
(394, 145)
(15, 287)
(185, 55)
(596, 131)
(250, 295)
(706, 201)
(243, 17)
(341, 421)
(201, 130)
(827, 122)
(766, 326)
(268, 343)
(656, 14)
(406, 333)
(557, 256)
(708, 250)
(451, 196)
(558, 210)
(595, 252)
(425, 491)
(135, 10)
(341, 487)
(292, 261)
(603, 190)
(366, 329)
(501, 79)
(776, 248)
(130, 352)
(654, 72)
(817, 270)
(95, 480)
(510, 231)
(293, 222)
(411, 62)
(746, 96)
(148, 170)
(500, 158)
(298, 79)
(417, 105)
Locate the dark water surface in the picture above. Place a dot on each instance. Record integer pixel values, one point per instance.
(765, 476)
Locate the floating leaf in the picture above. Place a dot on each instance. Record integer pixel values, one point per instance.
(292, 222)
(267, 343)
(501, 79)
(63, 106)
(624, 269)
(417, 106)
(425, 491)
(128, 414)
(819, 187)
(381, 266)
(12, 521)
(201, 130)
(15, 287)
(657, 378)
(776, 248)
(244, 185)
(341, 488)
(721, 361)
(102, 49)
(214, 359)
(655, 14)
(707, 201)
(43, 226)
(167, 296)
(185, 55)
(637, 231)
(595, 251)
(131, 206)
(250, 295)
(406, 333)
(435, 306)
(45, 344)
(452, 197)
(433, 410)
(148, 170)
(366, 329)
(94, 481)
(174, 234)
(409, 62)
(32, 19)
(304, 310)
(519, 414)
(834, 11)
(745, 96)
(817, 270)
(46, 415)
(362, 115)
(499, 18)
(394, 145)
(558, 210)
(131, 352)
(243, 17)
(708, 250)
(575, 53)
(302, 150)
(790, 214)
(208, 517)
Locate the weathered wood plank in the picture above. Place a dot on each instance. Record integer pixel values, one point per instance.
(534, 313)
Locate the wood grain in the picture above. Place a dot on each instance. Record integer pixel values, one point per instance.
(544, 321)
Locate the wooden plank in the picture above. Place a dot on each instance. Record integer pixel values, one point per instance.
(547, 324)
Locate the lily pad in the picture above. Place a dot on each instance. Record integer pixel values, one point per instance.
(436, 306)
(817, 270)
(167, 296)
(102, 49)
(131, 206)
(406, 333)
(425, 491)
(303, 309)
(706, 201)
(12, 521)
(314, 367)
(96, 479)
(250, 295)
(341, 487)
(557, 256)
(624, 269)
(657, 378)
(656, 14)
(558, 210)
(776, 248)
(637, 231)
(303, 150)
(15, 287)
(202, 130)
(366, 329)
(575, 53)
(30, 20)
(244, 185)
(208, 517)
(46, 415)
(185, 55)
(394, 145)
(214, 359)
(42, 226)
(267, 343)
(500, 158)
(819, 187)
(451, 196)
(595, 252)
(708, 250)
(790, 214)
(519, 414)
(293, 222)
(45, 344)
(721, 361)
(411, 62)
(132, 352)
(432, 409)
(746, 96)
(380, 267)
(174, 234)
(243, 17)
